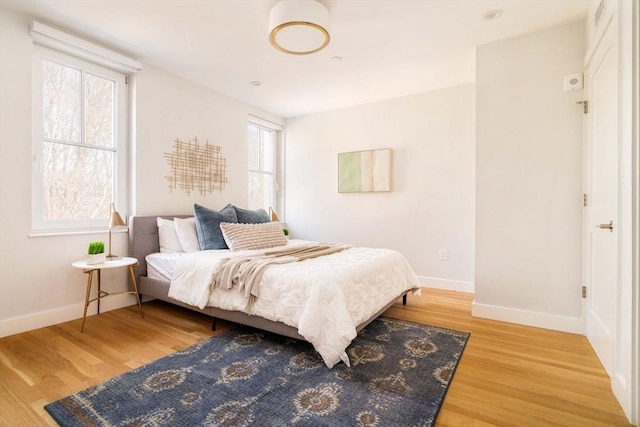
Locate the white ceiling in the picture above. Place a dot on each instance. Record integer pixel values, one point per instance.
(389, 48)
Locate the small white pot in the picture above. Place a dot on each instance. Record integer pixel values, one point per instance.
(96, 258)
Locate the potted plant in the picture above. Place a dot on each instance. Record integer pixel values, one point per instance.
(95, 253)
(286, 232)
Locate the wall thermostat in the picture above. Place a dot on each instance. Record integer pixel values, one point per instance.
(572, 82)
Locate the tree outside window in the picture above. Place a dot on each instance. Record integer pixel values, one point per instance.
(79, 154)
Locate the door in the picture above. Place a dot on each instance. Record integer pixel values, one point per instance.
(601, 212)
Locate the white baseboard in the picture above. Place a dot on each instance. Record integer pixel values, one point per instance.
(446, 284)
(530, 318)
(33, 321)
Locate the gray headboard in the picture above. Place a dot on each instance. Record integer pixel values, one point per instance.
(143, 238)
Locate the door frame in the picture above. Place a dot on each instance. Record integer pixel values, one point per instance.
(635, 210)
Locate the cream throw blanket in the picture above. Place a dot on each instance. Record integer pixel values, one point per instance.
(246, 271)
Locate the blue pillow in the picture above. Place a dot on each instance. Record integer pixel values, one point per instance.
(257, 216)
(208, 226)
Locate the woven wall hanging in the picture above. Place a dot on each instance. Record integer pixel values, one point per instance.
(196, 167)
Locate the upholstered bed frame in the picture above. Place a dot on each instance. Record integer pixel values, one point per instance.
(143, 240)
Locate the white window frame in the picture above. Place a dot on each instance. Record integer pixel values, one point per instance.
(277, 167)
(121, 147)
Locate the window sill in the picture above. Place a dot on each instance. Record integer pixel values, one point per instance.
(45, 233)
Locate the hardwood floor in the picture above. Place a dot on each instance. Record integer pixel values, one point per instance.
(509, 375)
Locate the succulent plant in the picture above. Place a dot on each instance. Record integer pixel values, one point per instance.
(285, 231)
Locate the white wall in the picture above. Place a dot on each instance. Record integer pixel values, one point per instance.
(529, 180)
(431, 206)
(38, 286)
(169, 107)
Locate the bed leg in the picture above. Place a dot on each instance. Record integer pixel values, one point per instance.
(404, 299)
(213, 324)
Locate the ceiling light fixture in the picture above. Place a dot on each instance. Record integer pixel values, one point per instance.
(299, 27)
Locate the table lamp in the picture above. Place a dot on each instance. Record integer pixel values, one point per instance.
(115, 223)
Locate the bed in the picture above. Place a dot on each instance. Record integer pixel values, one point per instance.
(144, 241)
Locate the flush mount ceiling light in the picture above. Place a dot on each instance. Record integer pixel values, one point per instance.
(299, 27)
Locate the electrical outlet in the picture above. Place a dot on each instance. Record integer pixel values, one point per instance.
(444, 254)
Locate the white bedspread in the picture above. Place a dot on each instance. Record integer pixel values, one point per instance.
(325, 298)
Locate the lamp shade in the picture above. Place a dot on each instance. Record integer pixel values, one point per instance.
(299, 27)
(115, 220)
(273, 215)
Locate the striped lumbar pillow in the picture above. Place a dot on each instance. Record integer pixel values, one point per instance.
(253, 236)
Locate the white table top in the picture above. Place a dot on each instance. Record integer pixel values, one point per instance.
(122, 262)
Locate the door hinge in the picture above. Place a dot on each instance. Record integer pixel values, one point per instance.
(584, 292)
(585, 106)
(584, 200)
(126, 80)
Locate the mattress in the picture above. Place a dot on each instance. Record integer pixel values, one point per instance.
(160, 266)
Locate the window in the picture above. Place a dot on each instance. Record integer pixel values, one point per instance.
(263, 166)
(80, 142)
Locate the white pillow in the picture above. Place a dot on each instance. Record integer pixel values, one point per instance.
(253, 236)
(168, 237)
(187, 234)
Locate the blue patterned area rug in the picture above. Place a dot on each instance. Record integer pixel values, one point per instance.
(400, 372)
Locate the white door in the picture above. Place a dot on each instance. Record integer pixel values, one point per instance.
(601, 216)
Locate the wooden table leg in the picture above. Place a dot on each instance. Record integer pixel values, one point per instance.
(99, 291)
(135, 288)
(86, 298)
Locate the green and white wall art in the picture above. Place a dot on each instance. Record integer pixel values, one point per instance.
(365, 171)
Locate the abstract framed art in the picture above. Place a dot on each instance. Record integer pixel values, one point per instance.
(365, 171)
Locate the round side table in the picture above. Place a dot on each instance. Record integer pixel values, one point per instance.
(89, 269)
